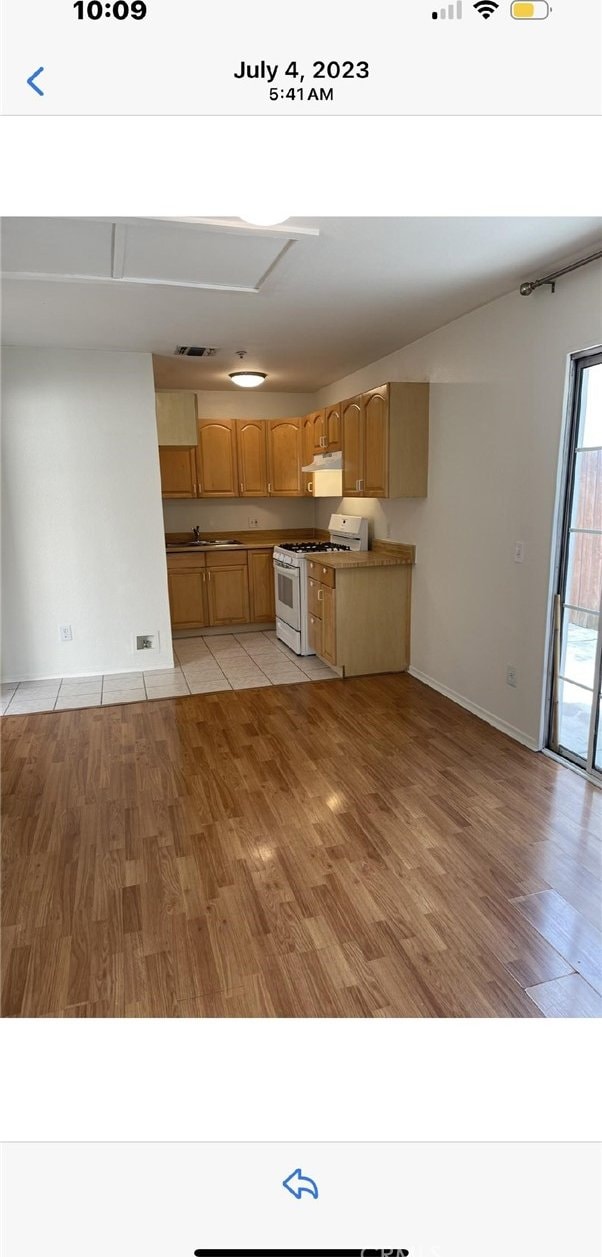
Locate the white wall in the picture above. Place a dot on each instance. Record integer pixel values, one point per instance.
(235, 513)
(82, 531)
(250, 403)
(497, 404)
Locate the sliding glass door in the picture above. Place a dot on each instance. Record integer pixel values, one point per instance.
(576, 696)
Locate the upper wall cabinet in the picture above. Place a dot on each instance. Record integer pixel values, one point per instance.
(327, 430)
(326, 426)
(284, 458)
(307, 454)
(178, 471)
(332, 428)
(252, 453)
(216, 459)
(176, 418)
(353, 447)
(385, 442)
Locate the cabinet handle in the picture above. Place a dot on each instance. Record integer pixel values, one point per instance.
(241, 488)
(320, 595)
(324, 570)
(269, 487)
(310, 487)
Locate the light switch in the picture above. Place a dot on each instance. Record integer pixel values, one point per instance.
(519, 551)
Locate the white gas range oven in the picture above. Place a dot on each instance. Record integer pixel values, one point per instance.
(347, 532)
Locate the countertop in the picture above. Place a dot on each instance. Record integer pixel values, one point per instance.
(361, 558)
(261, 540)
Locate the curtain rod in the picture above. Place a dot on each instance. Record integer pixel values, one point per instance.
(530, 286)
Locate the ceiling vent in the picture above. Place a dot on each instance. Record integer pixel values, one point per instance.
(195, 351)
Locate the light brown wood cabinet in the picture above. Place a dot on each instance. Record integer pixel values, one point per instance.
(186, 581)
(321, 600)
(359, 618)
(317, 426)
(212, 589)
(284, 458)
(252, 451)
(307, 454)
(385, 442)
(216, 459)
(326, 429)
(315, 634)
(178, 471)
(228, 588)
(176, 418)
(353, 447)
(261, 586)
(333, 428)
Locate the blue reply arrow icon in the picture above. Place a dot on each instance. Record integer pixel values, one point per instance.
(296, 1184)
(31, 80)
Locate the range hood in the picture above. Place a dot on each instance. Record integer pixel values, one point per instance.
(326, 462)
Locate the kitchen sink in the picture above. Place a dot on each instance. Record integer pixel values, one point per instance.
(186, 545)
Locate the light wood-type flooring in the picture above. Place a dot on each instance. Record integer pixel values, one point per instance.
(360, 848)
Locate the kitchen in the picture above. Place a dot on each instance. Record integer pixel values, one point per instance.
(375, 445)
(282, 662)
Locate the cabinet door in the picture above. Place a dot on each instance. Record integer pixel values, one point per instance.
(375, 405)
(319, 432)
(178, 471)
(176, 418)
(228, 594)
(314, 597)
(315, 634)
(307, 447)
(187, 599)
(332, 427)
(353, 448)
(252, 458)
(284, 458)
(261, 586)
(216, 459)
(328, 600)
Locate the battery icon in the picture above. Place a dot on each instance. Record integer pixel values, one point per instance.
(535, 11)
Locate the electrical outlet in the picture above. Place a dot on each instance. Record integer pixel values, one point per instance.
(253, 522)
(519, 551)
(146, 641)
(65, 633)
(511, 677)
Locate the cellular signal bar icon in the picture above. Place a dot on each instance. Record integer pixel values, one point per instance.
(452, 10)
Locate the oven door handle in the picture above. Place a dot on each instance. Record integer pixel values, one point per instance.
(285, 567)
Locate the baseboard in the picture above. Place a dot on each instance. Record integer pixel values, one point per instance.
(481, 712)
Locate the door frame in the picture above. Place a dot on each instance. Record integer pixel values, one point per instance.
(578, 362)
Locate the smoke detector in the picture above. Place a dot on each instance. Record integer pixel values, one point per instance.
(195, 351)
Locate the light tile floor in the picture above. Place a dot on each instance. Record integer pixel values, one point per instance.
(228, 661)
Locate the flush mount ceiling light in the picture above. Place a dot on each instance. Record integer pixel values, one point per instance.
(247, 379)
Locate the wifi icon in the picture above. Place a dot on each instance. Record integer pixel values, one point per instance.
(486, 8)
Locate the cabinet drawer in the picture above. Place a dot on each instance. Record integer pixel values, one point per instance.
(185, 562)
(226, 558)
(319, 572)
(315, 597)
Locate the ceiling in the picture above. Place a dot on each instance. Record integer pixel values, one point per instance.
(310, 300)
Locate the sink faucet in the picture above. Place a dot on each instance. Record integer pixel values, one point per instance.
(196, 532)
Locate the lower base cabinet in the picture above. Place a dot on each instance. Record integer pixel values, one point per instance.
(227, 589)
(261, 586)
(219, 590)
(186, 582)
(359, 618)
